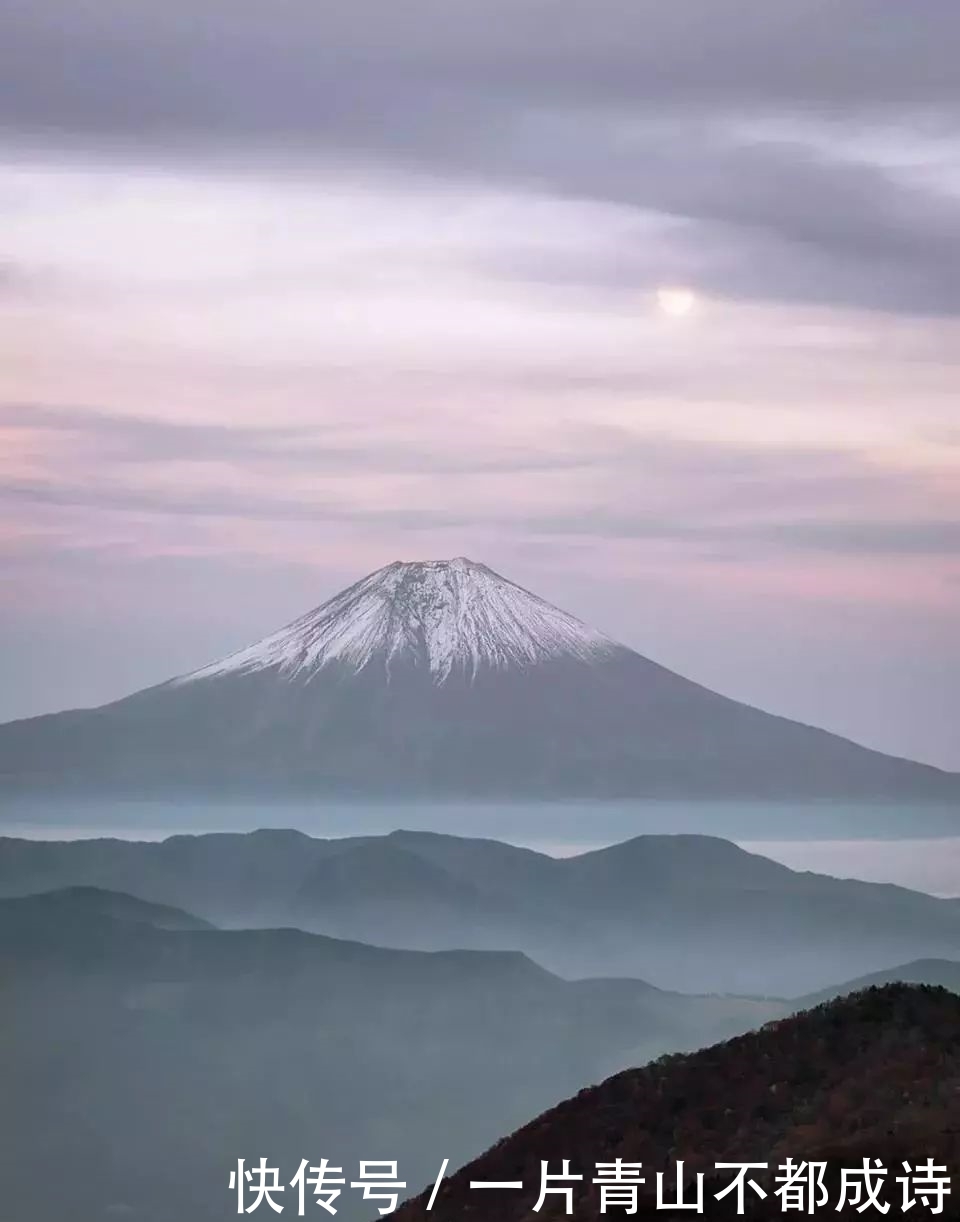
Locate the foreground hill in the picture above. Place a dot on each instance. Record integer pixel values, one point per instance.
(442, 678)
(693, 913)
(141, 1062)
(876, 1074)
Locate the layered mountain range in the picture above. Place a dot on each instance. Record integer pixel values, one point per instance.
(142, 1053)
(437, 679)
(694, 913)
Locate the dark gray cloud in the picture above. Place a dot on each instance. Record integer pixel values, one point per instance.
(636, 102)
(295, 68)
(771, 219)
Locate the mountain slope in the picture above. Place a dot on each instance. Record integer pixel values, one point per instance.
(63, 908)
(442, 678)
(447, 616)
(693, 913)
(940, 973)
(141, 1063)
(873, 1075)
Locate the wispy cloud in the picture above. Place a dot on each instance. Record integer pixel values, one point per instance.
(598, 481)
(288, 291)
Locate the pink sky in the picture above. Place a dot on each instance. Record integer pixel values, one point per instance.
(233, 381)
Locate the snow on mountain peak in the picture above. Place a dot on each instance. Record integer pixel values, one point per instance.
(452, 615)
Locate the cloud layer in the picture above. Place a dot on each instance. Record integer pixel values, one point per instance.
(288, 291)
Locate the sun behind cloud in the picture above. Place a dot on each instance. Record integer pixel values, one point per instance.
(677, 302)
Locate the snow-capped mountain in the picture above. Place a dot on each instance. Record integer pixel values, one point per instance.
(448, 616)
(443, 678)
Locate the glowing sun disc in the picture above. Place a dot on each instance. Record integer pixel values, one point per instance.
(676, 302)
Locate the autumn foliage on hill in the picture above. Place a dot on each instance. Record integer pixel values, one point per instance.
(873, 1075)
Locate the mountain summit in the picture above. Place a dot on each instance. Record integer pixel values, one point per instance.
(443, 678)
(445, 616)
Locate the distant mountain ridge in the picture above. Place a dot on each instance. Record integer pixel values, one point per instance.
(65, 906)
(676, 910)
(942, 973)
(439, 679)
